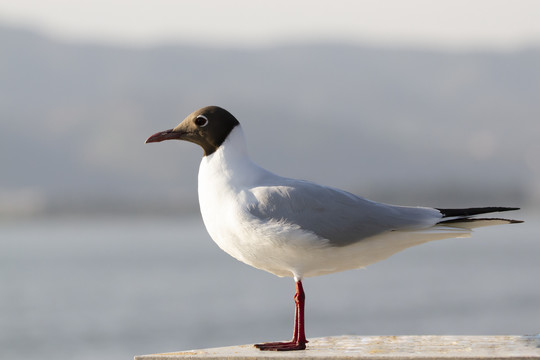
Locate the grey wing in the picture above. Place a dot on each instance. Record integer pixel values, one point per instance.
(338, 216)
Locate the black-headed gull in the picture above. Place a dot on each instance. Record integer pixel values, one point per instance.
(297, 228)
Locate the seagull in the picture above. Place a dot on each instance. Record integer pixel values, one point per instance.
(296, 228)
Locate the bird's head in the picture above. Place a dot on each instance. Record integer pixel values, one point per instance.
(207, 127)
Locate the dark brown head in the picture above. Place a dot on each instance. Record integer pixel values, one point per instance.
(207, 127)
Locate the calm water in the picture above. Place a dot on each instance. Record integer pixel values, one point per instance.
(113, 288)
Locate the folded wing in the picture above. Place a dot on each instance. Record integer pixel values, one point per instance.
(338, 216)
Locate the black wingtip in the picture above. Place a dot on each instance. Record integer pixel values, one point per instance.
(472, 220)
(474, 211)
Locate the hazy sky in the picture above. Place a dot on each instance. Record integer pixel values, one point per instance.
(444, 24)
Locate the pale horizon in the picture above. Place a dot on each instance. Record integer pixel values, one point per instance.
(443, 25)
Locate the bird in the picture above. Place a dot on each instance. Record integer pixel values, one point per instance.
(297, 228)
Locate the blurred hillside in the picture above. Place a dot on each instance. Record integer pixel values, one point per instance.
(406, 126)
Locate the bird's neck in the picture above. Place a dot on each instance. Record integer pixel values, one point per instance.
(230, 162)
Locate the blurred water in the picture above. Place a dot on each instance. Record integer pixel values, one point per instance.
(112, 288)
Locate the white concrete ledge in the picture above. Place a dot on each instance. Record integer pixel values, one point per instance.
(381, 347)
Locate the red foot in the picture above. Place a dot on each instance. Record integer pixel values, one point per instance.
(281, 346)
(298, 341)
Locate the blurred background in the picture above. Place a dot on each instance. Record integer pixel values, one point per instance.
(102, 250)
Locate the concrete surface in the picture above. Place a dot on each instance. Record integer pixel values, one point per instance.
(381, 347)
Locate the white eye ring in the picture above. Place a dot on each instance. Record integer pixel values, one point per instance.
(201, 121)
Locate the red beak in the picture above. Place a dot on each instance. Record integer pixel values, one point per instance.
(164, 135)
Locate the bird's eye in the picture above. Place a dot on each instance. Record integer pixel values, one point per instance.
(201, 121)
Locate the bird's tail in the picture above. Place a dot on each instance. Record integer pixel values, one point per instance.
(464, 218)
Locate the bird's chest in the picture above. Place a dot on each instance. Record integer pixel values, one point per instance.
(224, 212)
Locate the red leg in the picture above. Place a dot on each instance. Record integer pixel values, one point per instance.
(298, 341)
(300, 301)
